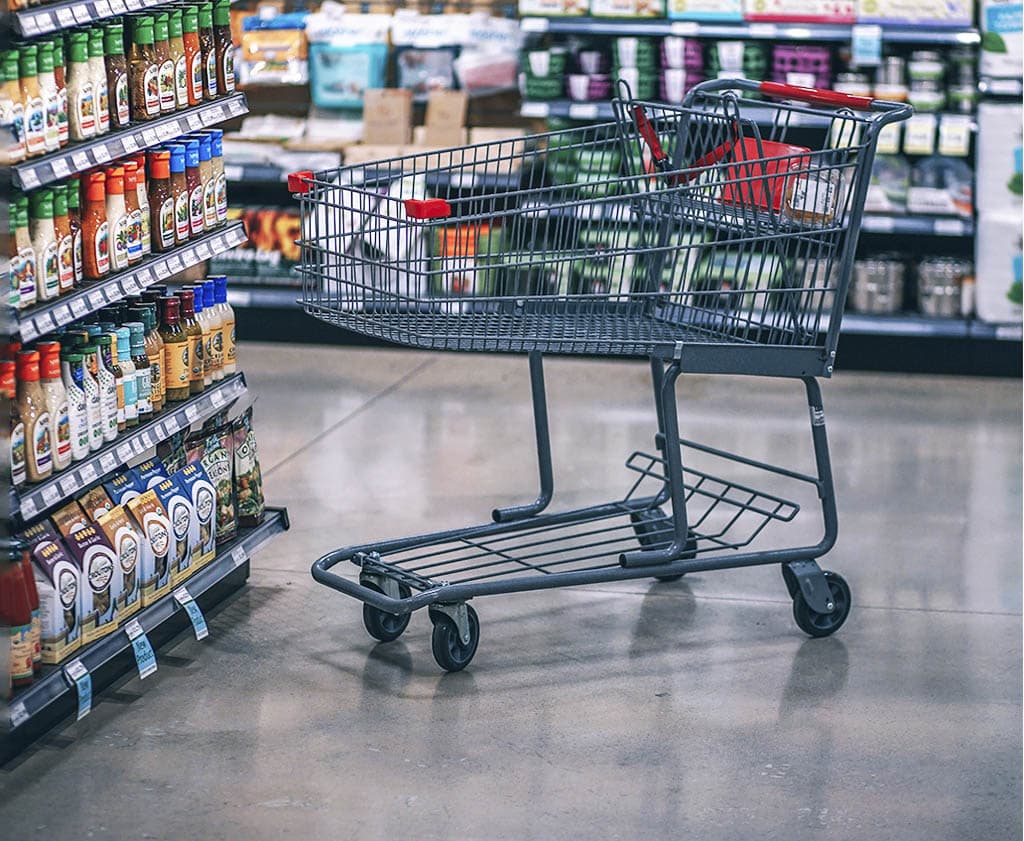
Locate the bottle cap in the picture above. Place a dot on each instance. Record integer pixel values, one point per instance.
(205, 15)
(28, 58)
(72, 356)
(131, 175)
(58, 52)
(170, 310)
(137, 333)
(96, 42)
(205, 147)
(220, 288)
(160, 164)
(45, 57)
(49, 360)
(191, 153)
(190, 19)
(197, 298)
(8, 377)
(209, 298)
(41, 204)
(188, 303)
(143, 29)
(72, 188)
(10, 66)
(160, 27)
(216, 142)
(89, 350)
(28, 366)
(140, 167)
(222, 13)
(115, 181)
(95, 186)
(177, 157)
(60, 200)
(113, 39)
(107, 326)
(174, 23)
(124, 343)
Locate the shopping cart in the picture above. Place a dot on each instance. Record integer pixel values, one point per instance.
(716, 238)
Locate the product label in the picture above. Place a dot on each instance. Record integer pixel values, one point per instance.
(119, 234)
(85, 108)
(76, 255)
(131, 398)
(12, 122)
(198, 357)
(167, 98)
(229, 70)
(42, 443)
(208, 357)
(167, 223)
(99, 568)
(52, 129)
(18, 453)
(144, 390)
(195, 210)
(50, 275)
(79, 421)
(812, 199)
(196, 75)
(181, 216)
(66, 264)
(181, 82)
(102, 246)
(151, 80)
(211, 73)
(156, 378)
(94, 407)
(102, 107)
(147, 245)
(35, 126)
(63, 433)
(62, 115)
(134, 235)
(108, 404)
(222, 198)
(119, 392)
(210, 203)
(121, 100)
(176, 365)
(229, 343)
(21, 651)
(27, 273)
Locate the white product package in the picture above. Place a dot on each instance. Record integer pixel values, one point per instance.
(998, 264)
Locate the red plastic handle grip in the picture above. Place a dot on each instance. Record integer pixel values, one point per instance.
(427, 209)
(298, 182)
(647, 132)
(816, 96)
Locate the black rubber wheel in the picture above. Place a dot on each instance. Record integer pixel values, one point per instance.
(382, 625)
(824, 624)
(449, 652)
(650, 527)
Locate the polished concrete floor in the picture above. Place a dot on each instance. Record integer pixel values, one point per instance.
(638, 709)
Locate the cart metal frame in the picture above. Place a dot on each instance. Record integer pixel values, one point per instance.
(711, 522)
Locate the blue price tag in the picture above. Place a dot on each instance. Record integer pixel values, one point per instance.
(82, 681)
(867, 45)
(195, 614)
(145, 658)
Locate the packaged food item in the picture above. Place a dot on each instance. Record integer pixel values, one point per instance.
(248, 478)
(274, 50)
(197, 485)
(151, 473)
(58, 580)
(153, 567)
(70, 518)
(172, 452)
(101, 581)
(184, 527)
(124, 487)
(126, 538)
(95, 503)
(812, 195)
(213, 450)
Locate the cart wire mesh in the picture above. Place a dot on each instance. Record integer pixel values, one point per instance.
(581, 241)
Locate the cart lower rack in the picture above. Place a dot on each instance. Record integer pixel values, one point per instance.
(734, 256)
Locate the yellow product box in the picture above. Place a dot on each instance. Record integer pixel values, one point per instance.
(95, 503)
(153, 566)
(127, 539)
(70, 518)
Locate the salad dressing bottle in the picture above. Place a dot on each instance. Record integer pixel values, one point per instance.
(32, 99)
(32, 412)
(81, 97)
(56, 403)
(177, 371)
(98, 75)
(12, 111)
(72, 375)
(44, 243)
(95, 399)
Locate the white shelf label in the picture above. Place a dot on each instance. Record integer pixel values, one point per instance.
(233, 172)
(203, 251)
(217, 399)
(867, 45)
(118, 7)
(103, 8)
(239, 556)
(879, 224)
(950, 227)
(19, 715)
(130, 285)
(149, 137)
(81, 13)
(82, 681)
(919, 135)
(28, 508)
(137, 446)
(108, 462)
(30, 178)
(160, 432)
(147, 440)
(583, 111)
(29, 330)
(684, 28)
(96, 299)
(128, 141)
(124, 452)
(534, 110)
(161, 269)
(236, 107)
(175, 264)
(145, 658)
(101, 154)
(50, 494)
(192, 413)
(65, 18)
(61, 168)
(88, 474)
(62, 315)
(534, 24)
(78, 307)
(762, 30)
(133, 4)
(194, 122)
(68, 485)
(195, 614)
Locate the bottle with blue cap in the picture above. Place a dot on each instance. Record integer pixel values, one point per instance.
(194, 182)
(203, 321)
(206, 175)
(129, 385)
(143, 374)
(213, 318)
(179, 189)
(227, 319)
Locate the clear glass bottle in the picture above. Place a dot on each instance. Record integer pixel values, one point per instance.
(56, 403)
(27, 267)
(108, 386)
(32, 98)
(202, 317)
(227, 318)
(117, 76)
(176, 351)
(117, 219)
(130, 385)
(65, 241)
(34, 415)
(142, 196)
(75, 223)
(194, 331)
(175, 40)
(162, 48)
(60, 74)
(213, 318)
(143, 372)
(12, 111)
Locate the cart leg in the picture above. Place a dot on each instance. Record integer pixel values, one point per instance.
(668, 423)
(540, 425)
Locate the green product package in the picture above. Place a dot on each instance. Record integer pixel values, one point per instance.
(248, 478)
(213, 448)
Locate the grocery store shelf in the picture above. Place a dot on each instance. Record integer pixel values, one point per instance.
(991, 86)
(997, 332)
(78, 157)
(938, 226)
(255, 173)
(909, 34)
(52, 698)
(31, 501)
(29, 23)
(904, 325)
(756, 111)
(45, 318)
(263, 298)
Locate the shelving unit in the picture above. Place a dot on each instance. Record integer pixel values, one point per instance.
(51, 697)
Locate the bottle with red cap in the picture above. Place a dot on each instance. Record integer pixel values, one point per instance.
(32, 411)
(117, 219)
(95, 230)
(56, 403)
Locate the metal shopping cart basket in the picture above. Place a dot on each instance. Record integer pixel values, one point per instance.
(715, 237)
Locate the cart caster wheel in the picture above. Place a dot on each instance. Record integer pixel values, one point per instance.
(449, 651)
(824, 624)
(650, 527)
(382, 625)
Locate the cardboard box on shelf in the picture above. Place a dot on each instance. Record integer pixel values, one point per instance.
(919, 12)
(153, 566)
(124, 486)
(184, 527)
(198, 487)
(387, 117)
(998, 267)
(1000, 142)
(1002, 41)
(126, 537)
(58, 580)
(102, 580)
(151, 473)
(69, 518)
(445, 120)
(95, 503)
(553, 8)
(627, 8)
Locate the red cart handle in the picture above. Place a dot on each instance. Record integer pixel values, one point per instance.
(816, 96)
(300, 182)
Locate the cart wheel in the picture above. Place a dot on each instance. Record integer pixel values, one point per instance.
(650, 526)
(449, 652)
(382, 625)
(824, 624)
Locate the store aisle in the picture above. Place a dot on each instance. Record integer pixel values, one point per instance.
(695, 708)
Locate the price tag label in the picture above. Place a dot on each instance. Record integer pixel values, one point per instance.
(96, 299)
(195, 613)
(149, 137)
(534, 24)
(194, 122)
(133, 4)
(214, 115)
(236, 107)
(147, 439)
(87, 473)
(192, 413)
(233, 172)
(103, 9)
(29, 330)
(159, 432)
(684, 28)
(68, 485)
(29, 178)
(124, 452)
(81, 13)
(101, 154)
(955, 135)
(763, 30)
(28, 507)
(867, 45)
(203, 251)
(80, 678)
(162, 269)
(60, 168)
(62, 314)
(167, 130)
(889, 139)
(583, 111)
(534, 110)
(118, 7)
(129, 285)
(19, 715)
(145, 658)
(111, 293)
(128, 141)
(107, 462)
(239, 556)
(949, 227)
(50, 494)
(879, 224)
(919, 135)
(65, 18)
(176, 264)
(144, 277)
(217, 399)
(171, 425)
(137, 446)
(78, 307)
(30, 25)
